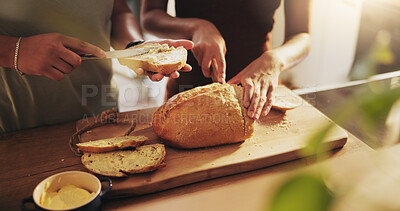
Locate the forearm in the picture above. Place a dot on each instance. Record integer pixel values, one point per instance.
(293, 51)
(297, 38)
(159, 23)
(7, 51)
(125, 27)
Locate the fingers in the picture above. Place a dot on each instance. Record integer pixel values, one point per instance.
(248, 92)
(71, 58)
(63, 66)
(268, 104)
(221, 63)
(260, 103)
(198, 54)
(205, 67)
(140, 71)
(214, 71)
(186, 68)
(174, 75)
(218, 71)
(154, 76)
(251, 112)
(55, 74)
(82, 47)
(259, 97)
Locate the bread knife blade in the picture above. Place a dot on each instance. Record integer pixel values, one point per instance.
(130, 52)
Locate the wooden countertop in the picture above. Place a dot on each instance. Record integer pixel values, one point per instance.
(29, 156)
(369, 177)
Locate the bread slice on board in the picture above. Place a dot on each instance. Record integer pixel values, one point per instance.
(203, 116)
(109, 144)
(121, 163)
(161, 58)
(284, 100)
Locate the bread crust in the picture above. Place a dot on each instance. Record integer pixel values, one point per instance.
(202, 117)
(248, 122)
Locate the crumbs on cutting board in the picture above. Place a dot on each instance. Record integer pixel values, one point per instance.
(281, 124)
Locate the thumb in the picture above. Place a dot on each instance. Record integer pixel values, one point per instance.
(82, 47)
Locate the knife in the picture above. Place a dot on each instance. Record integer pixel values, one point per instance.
(130, 52)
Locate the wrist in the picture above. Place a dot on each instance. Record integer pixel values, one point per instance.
(273, 58)
(16, 56)
(7, 51)
(199, 26)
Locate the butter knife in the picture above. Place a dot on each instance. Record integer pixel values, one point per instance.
(130, 52)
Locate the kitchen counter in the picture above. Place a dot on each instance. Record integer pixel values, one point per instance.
(29, 156)
(331, 98)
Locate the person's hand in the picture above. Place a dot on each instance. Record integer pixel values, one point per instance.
(259, 80)
(209, 50)
(53, 55)
(187, 44)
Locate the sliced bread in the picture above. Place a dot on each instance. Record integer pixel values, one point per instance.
(160, 58)
(123, 162)
(109, 144)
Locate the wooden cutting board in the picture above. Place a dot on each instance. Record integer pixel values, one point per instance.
(278, 138)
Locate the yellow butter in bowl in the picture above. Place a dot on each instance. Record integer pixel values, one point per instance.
(68, 197)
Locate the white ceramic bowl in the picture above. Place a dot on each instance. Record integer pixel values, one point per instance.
(80, 179)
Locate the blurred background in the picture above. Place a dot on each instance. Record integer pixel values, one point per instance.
(351, 40)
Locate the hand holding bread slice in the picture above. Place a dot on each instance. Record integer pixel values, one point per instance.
(164, 58)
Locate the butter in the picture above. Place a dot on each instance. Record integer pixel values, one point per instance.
(68, 197)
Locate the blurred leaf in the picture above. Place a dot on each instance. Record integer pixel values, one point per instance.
(375, 107)
(302, 193)
(381, 52)
(383, 55)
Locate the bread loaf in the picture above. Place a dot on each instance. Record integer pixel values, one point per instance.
(120, 163)
(109, 144)
(204, 116)
(160, 58)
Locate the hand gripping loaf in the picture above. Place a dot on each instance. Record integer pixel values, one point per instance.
(120, 163)
(160, 58)
(204, 116)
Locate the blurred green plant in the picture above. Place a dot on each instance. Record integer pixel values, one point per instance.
(379, 53)
(305, 192)
(309, 192)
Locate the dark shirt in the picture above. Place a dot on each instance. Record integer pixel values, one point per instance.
(245, 26)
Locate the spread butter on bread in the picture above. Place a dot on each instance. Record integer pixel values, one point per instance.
(121, 163)
(204, 116)
(160, 58)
